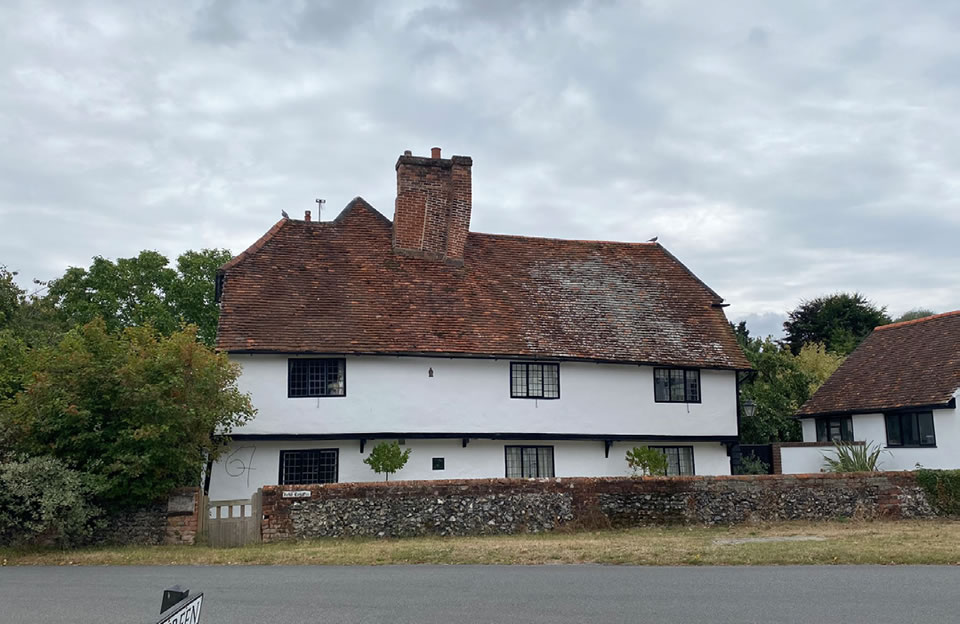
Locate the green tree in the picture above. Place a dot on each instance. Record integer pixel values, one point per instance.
(11, 296)
(143, 290)
(781, 383)
(840, 321)
(387, 458)
(193, 292)
(134, 409)
(912, 315)
(647, 462)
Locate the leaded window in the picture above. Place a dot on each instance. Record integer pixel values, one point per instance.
(534, 380)
(316, 377)
(676, 385)
(528, 462)
(679, 460)
(309, 466)
(910, 429)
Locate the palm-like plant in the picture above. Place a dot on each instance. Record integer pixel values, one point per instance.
(850, 457)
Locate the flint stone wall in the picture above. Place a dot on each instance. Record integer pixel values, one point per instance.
(500, 506)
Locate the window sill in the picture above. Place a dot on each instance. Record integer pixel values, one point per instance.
(536, 398)
(910, 446)
(326, 396)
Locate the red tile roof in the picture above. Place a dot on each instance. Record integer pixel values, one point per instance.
(908, 364)
(337, 287)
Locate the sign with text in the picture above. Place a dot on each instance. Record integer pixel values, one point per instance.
(296, 494)
(187, 611)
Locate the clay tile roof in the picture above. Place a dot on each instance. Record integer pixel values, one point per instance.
(337, 287)
(908, 364)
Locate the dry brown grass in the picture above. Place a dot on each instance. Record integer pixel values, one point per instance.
(855, 542)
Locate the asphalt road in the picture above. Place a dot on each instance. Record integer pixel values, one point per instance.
(456, 594)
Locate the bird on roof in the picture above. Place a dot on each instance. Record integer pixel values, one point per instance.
(653, 240)
(284, 213)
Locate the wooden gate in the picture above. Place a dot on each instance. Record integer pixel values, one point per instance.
(234, 522)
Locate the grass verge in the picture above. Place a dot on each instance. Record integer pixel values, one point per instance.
(866, 542)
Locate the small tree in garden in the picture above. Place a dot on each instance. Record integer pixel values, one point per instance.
(387, 458)
(645, 461)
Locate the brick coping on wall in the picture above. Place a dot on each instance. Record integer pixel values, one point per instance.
(427, 483)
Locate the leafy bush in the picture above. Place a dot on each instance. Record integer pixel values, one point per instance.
(645, 461)
(135, 408)
(752, 465)
(387, 458)
(943, 488)
(851, 457)
(42, 500)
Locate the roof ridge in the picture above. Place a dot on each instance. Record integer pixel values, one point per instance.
(917, 321)
(566, 240)
(255, 247)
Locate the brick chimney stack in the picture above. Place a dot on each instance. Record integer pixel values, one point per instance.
(432, 214)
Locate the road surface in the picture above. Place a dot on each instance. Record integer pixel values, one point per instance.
(501, 594)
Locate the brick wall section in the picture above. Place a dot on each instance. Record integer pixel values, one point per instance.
(432, 210)
(174, 521)
(486, 506)
(184, 507)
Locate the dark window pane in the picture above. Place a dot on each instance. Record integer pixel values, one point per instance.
(545, 462)
(518, 380)
(685, 454)
(514, 462)
(822, 430)
(661, 384)
(893, 430)
(551, 381)
(925, 426)
(693, 386)
(676, 385)
(846, 429)
(534, 380)
(909, 429)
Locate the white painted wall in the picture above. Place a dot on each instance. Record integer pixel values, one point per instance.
(871, 428)
(803, 459)
(395, 394)
(249, 465)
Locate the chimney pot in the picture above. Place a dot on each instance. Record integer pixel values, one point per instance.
(434, 152)
(407, 153)
(306, 215)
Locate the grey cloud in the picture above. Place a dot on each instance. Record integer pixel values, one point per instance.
(782, 151)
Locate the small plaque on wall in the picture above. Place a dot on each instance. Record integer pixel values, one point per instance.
(296, 494)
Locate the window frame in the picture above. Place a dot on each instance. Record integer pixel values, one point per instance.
(914, 417)
(526, 366)
(290, 395)
(336, 464)
(686, 371)
(506, 464)
(827, 420)
(693, 461)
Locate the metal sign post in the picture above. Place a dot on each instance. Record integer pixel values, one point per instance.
(178, 607)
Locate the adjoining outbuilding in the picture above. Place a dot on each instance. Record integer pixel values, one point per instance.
(898, 390)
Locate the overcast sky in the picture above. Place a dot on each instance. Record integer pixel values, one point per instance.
(782, 150)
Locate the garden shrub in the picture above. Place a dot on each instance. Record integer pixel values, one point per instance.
(42, 501)
(752, 465)
(943, 488)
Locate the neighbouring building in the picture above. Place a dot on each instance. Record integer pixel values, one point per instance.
(897, 390)
(488, 355)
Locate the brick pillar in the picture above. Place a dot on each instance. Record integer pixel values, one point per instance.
(183, 516)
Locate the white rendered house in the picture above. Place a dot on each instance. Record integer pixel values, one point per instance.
(898, 390)
(487, 355)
